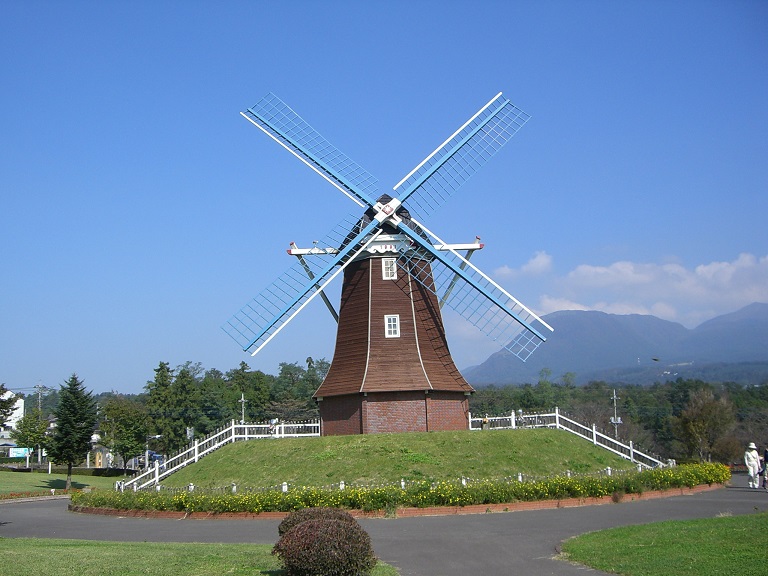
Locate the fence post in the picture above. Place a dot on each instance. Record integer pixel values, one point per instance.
(157, 472)
(469, 420)
(512, 419)
(631, 452)
(234, 431)
(557, 418)
(594, 435)
(197, 452)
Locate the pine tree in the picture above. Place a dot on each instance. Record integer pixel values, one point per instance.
(160, 408)
(75, 422)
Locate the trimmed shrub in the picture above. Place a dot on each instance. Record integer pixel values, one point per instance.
(326, 548)
(418, 494)
(317, 513)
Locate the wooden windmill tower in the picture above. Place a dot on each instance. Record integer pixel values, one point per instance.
(392, 370)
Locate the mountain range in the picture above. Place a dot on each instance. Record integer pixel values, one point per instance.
(639, 349)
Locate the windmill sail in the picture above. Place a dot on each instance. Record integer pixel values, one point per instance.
(461, 285)
(256, 323)
(475, 296)
(439, 175)
(280, 122)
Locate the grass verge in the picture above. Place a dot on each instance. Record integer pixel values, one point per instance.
(22, 484)
(723, 545)
(51, 557)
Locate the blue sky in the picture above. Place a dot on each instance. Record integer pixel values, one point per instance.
(139, 210)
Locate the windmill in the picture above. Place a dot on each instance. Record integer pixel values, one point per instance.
(392, 369)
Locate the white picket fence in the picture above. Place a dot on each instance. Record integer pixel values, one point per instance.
(560, 422)
(235, 432)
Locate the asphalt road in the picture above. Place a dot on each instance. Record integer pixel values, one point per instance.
(502, 543)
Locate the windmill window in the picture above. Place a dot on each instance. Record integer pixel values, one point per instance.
(392, 325)
(388, 269)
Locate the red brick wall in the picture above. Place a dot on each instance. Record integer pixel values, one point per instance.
(388, 412)
(341, 415)
(396, 412)
(448, 411)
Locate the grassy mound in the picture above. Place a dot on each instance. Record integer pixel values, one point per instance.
(386, 458)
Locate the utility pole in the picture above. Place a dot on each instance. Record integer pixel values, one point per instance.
(40, 388)
(616, 420)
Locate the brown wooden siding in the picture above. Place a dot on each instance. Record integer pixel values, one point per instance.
(366, 361)
(392, 412)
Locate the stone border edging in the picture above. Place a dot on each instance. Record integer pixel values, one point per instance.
(33, 498)
(405, 512)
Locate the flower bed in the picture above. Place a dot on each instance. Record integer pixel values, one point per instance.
(415, 495)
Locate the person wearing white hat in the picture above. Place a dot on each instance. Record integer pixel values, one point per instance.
(752, 460)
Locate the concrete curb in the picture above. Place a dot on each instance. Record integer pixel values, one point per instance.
(33, 499)
(406, 512)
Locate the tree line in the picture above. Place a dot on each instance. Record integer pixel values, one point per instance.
(684, 419)
(178, 405)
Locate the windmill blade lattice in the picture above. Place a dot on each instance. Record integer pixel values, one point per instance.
(428, 185)
(462, 286)
(264, 316)
(280, 122)
(475, 296)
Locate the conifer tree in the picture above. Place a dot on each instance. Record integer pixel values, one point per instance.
(160, 407)
(75, 422)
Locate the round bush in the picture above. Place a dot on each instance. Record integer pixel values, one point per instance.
(326, 548)
(302, 515)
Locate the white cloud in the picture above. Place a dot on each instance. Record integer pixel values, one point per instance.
(669, 291)
(539, 264)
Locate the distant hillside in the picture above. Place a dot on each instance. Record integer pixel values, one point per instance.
(637, 349)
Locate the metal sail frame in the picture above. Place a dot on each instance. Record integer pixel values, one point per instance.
(429, 184)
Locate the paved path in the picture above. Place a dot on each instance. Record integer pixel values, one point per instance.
(503, 543)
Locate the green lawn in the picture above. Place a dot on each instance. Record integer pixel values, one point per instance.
(41, 482)
(49, 557)
(706, 547)
(386, 458)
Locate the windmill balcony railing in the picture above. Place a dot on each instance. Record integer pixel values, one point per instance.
(559, 421)
(234, 432)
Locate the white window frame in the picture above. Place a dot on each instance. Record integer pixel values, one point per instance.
(389, 268)
(392, 326)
